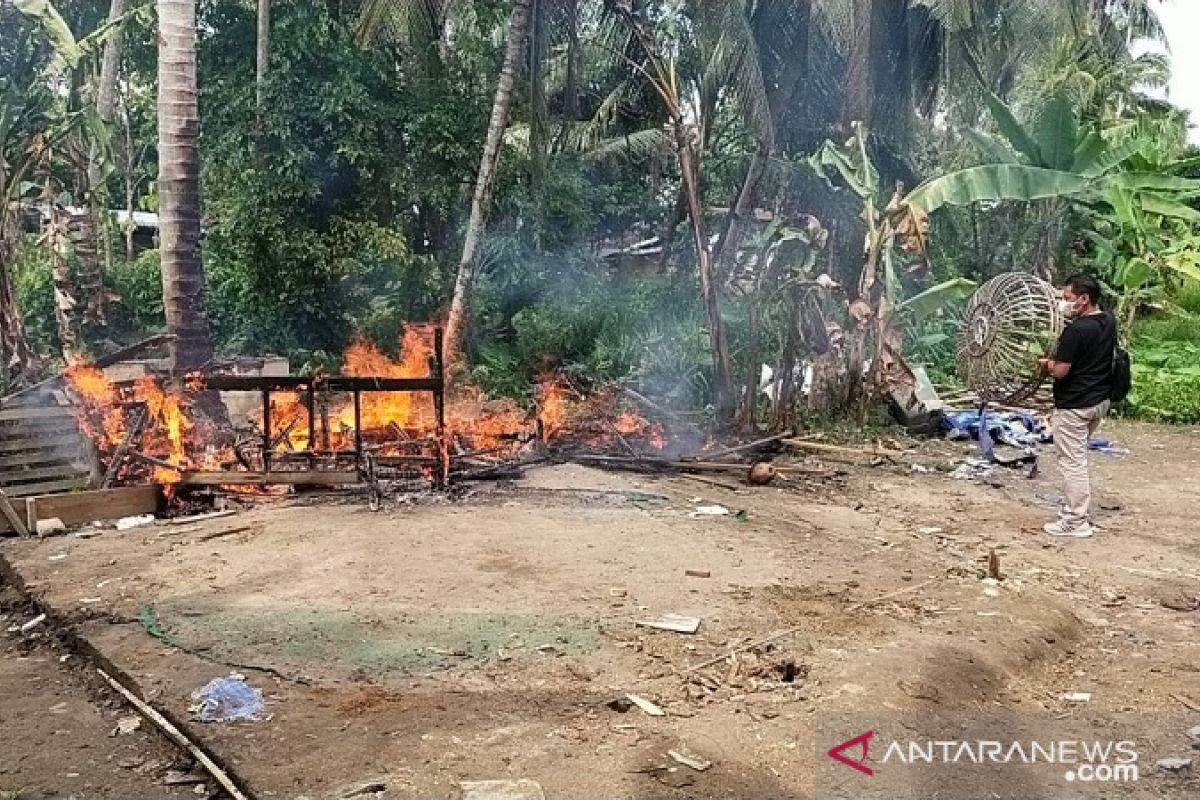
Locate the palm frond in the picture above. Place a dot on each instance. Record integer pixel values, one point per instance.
(399, 20)
(638, 146)
(732, 63)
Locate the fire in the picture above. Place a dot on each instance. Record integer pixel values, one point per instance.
(166, 426)
(99, 413)
(379, 410)
(630, 424)
(392, 424)
(551, 400)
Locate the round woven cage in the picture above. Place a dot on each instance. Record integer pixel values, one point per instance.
(1009, 323)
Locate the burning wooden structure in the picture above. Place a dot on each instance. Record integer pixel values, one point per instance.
(319, 454)
(383, 419)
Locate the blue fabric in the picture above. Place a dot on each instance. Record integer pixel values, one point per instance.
(1016, 429)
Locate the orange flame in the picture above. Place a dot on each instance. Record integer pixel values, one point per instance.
(551, 399)
(394, 423)
(99, 413)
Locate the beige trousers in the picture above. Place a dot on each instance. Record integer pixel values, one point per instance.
(1072, 429)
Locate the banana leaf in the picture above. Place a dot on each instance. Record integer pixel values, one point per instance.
(1012, 129)
(1057, 133)
(1169, 208)
(995, 182)
(925, 304)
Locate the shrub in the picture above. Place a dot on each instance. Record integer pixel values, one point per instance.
(1166, 381)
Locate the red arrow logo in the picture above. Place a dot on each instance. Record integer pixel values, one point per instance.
(836, 753)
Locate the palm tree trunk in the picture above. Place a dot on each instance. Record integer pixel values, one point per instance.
(722, 371)
(263, 52)
(857, 104)
(110, 68)
(485, 181)
(179, 186)
(891, 70)
(571, 79)
(667, 239)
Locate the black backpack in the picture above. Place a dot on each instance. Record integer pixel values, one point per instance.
(1122, 372)
(1122, 375)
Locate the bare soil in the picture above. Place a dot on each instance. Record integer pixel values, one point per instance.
(487, 638)
(61, 736)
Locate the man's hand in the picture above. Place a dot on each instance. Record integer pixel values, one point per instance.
(1055, 369)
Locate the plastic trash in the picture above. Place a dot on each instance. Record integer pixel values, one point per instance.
(125, 523)
(227, 700)
(711, 511)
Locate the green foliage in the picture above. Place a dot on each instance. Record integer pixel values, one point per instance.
(1166, 381)
(1187, 297)
(324, 223)
(138, 306)
(35, 294)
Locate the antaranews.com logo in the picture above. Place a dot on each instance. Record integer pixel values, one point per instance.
(1085, 761)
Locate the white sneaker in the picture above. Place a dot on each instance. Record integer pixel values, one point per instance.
(1079, 530)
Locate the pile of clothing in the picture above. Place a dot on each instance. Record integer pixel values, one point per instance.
(1016, 429)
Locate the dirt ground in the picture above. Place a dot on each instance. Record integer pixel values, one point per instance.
(495, 637)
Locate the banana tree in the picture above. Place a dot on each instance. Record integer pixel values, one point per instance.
(871, 306)
(1053, 156)
(34, 119)
(1139, 252)
(1118, 181)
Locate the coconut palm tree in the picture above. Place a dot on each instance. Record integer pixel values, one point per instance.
(179, 186)
(485, 180)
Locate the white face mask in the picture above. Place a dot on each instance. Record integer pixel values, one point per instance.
(1067, 309)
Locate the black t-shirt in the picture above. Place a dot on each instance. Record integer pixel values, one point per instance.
(1087, 345)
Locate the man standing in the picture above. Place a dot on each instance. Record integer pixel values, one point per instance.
(1082, 369)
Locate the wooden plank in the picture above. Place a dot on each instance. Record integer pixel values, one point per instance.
(10, 514)
(76, 508)
(42, 457)
(36, 412)
(17, 476)
(305, 478)
(18, 444)
(672, 622)
(41, 427)
(27, 489)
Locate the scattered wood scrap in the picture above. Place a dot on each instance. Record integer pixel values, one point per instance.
(226, 532)
(11, 515)
(202, 517)
(855, 453)
(1185, 701)
(698, 764)
(732, 653)
(741, 448)
(892, 595)
(676, 623)
(646, 705)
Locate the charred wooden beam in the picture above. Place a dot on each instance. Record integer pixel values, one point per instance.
(314, 477)
(118, 457)
(255, 383)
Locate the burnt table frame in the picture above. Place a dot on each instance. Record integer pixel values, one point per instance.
(434, 384)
